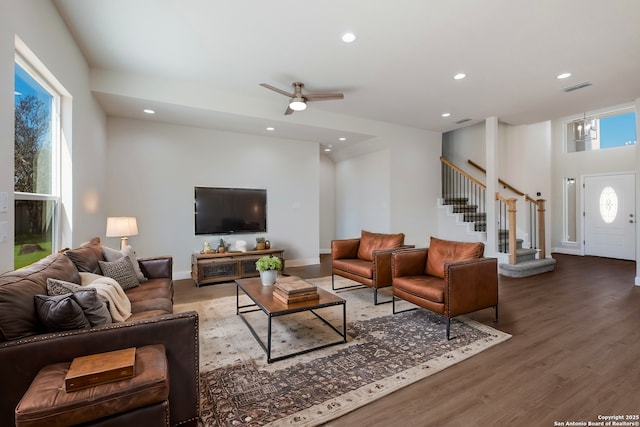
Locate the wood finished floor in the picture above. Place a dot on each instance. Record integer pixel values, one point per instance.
(574, 354)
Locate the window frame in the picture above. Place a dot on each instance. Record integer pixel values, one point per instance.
(56, 148)
(597, 115)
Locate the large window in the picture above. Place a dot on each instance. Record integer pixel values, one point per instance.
(597, 132)
(36, 163)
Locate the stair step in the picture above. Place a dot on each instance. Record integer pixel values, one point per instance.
(527, 268)
(525, 254)
(455, 201)
(465, 208)
(474, 217)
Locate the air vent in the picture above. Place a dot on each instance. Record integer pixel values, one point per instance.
(459, 122)
(576, 87)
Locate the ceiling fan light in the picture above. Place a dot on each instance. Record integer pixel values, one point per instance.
(297, 104)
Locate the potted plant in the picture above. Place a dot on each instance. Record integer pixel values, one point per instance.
(268, 267)
(221, 246)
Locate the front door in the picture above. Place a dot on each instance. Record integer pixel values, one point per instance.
(610, 216)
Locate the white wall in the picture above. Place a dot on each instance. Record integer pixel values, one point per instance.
(362, 195)
(153, 168)
(393, 189)
(327, 203)
(38, 25)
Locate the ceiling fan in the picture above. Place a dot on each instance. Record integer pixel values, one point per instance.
(298, 100)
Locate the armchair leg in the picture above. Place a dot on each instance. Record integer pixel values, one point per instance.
(496, 319)
(449, 328)
(333, 285)
(375, 298)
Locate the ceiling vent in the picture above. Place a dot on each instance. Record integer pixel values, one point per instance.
(459, 122)
(576, 87)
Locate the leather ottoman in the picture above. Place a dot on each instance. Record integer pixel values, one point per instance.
(140, 400)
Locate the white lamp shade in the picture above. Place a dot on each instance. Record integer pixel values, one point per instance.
(120, 226)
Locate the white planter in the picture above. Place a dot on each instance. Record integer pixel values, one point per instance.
(268, 277)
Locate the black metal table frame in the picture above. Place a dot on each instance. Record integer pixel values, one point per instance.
(267, 347)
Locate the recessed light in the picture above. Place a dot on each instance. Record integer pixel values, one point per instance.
(342, 138)
(348, 37)
(563, 76)
(327, 149)
(446, 114)
(459, 76)
(270, 128)
(148, 111)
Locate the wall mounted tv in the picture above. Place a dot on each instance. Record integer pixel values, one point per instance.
(230, 210)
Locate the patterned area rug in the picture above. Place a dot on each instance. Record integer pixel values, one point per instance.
(384, 353)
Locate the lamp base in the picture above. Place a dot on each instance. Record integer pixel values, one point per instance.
(123, 242)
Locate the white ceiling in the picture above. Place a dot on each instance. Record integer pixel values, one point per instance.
(200, 62)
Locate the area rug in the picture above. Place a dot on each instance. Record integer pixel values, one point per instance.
(384, 352)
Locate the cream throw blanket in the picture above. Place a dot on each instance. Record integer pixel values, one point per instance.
(119, 304)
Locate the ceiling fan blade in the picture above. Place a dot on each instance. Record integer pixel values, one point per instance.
(275, 89)
(288, 111)
(323, 96)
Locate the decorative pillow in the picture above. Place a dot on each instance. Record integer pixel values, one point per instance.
(87, 256)
(370, 242)
(94, 306)
(447, 251)
(121, 271)
(60, 313)
(61, 287)
(114, 255)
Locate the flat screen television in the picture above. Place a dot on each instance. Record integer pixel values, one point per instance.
(230, 210)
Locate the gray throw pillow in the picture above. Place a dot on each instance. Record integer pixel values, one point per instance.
(121, 271)
(61, 287)
(93, 308)
(60, 313)
(111, 255)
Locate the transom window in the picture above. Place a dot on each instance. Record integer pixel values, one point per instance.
(597, 132)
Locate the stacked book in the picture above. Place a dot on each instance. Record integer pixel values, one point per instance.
(292, 291)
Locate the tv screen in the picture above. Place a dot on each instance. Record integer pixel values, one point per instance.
(230, 210)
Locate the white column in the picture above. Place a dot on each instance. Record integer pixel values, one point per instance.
(491, 152)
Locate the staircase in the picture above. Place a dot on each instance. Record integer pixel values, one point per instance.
(475, 224)
(526, 262)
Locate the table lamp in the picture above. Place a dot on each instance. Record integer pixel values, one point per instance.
(122, 226)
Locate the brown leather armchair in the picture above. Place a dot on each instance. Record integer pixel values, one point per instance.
(366, 260)
(449, 278)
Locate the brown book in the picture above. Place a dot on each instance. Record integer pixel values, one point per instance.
(88, 371)
(294, 299)
(295, 287)
(295, 295)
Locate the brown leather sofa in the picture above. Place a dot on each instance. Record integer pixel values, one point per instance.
(448, 278)
(366, 260)
(26, 346)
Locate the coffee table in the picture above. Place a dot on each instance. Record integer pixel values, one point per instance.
(263, 299)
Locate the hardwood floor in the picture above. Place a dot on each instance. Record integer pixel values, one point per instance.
(574, 354)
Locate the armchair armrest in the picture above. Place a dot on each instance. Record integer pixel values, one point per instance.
(471, 285)
(157, 267)
(345, 248)
(382, 265)
(409, 262)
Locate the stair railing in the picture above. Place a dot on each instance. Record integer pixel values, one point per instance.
(506, 212)
(456, 183)
(535, 215)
